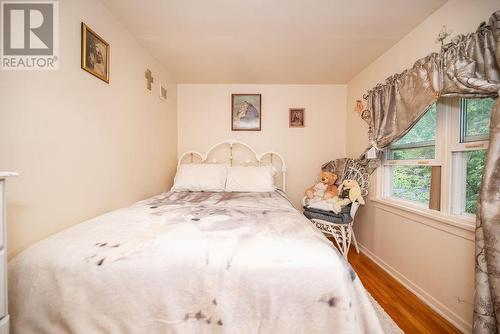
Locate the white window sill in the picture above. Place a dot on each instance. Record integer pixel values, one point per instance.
(461, 222)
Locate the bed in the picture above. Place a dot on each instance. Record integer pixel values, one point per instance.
(190, 262)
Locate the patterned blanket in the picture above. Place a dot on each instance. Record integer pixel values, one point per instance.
(189, 263)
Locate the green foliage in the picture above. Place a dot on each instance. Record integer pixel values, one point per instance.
(475, 166)
(426, 152)
(423, 131)
(412, 183)
(477, 123)
(478, 113)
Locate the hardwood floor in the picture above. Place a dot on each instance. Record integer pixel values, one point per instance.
(411, 314)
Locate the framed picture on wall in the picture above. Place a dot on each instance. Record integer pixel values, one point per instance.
(246, 112)
(95, 54)
(296, 118)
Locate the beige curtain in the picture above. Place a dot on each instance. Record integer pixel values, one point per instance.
(469, 66)
(487, 297)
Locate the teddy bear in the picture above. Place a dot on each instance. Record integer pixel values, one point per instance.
(348, 192)
(324, 189)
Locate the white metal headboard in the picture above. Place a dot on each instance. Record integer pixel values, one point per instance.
(249, 157)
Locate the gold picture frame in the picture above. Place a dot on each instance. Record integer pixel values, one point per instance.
(95, 54)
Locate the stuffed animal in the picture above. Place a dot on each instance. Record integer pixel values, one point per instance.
(349, 192)
(324, 189)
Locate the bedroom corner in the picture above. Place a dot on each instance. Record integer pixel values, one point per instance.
(82, 146)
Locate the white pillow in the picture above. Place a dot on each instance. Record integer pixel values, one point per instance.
(200, 177)
(250, 179)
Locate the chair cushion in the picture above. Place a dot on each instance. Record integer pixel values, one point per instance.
(343, 217)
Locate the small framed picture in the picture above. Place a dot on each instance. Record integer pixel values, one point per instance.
(95, 54)
(297, 118)
(246, 113)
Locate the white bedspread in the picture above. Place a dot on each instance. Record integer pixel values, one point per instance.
(189, 263)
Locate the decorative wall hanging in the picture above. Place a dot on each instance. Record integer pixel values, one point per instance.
(95, 54)
(296, 118)
(163, 92)
(443, 35)
(359, 107)
(246, 113)
(149, 78)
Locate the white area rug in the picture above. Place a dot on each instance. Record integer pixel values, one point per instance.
(388, 325)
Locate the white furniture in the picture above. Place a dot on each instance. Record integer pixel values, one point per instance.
(4, 315)
(343, 233)
(237, 153)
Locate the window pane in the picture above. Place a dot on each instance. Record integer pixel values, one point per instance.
(418, 143)
(411, 183)
(475, 166)
(477, 118)
(425, 152)
(423, 131)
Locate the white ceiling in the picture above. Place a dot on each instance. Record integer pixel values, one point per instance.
(269, 41)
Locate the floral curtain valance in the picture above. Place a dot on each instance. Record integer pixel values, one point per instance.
(468, 66)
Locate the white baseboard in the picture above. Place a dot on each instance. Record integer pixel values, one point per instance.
(437, 306)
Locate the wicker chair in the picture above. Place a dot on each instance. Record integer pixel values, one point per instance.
(339, 225)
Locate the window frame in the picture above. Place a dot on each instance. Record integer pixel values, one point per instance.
(448, 142)
(457, 144)
(463, 138)
(429, 162)
(387, 165)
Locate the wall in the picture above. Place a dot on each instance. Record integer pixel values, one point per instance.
(83, 147)
(434, 259)
(205, 119)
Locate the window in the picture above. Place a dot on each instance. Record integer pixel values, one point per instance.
(409, 171)
(438, 164)
(475, 119)
(469, 154)
(468, 169)
(418, 143)
(411, 183)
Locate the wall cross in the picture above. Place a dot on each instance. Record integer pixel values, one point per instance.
(149, 78)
